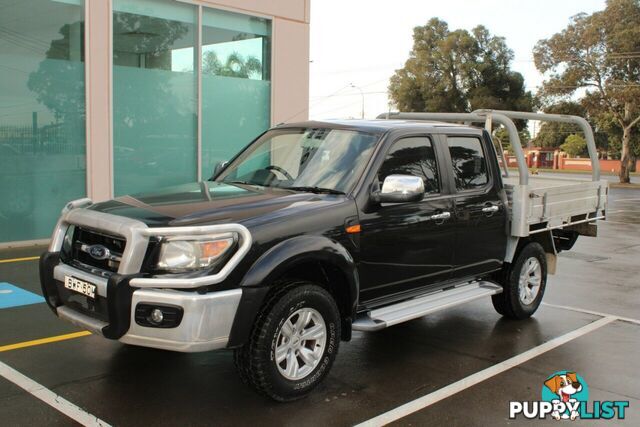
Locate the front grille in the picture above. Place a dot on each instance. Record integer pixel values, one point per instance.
(96, 250)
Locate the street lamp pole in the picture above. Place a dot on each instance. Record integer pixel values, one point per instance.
(362, 95)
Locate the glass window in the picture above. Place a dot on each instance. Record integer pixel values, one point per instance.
(236, 91)
(412, 156)
(154, 94)
(469, 164)
(313, 157)
(42, 114)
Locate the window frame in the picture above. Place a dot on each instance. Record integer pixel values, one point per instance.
(433, 138)
(199, 8)
(489, 168)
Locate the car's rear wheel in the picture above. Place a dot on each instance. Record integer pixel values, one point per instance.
(293, 343)
(524, 282)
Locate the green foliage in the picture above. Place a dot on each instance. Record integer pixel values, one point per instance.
(553, 134)
(574, 145)
(63, 96)
(502, 134)
(458, 71)
(613, 137)
(598, 52)
(598, 55)
(235, 65)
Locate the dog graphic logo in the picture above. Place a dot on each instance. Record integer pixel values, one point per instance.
(566, 388)
(565, 396)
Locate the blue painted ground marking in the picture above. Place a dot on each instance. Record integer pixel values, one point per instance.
(13, 296)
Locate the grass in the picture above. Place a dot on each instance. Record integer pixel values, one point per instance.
(631, 185)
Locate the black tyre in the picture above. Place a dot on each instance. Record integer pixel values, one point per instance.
(293, 343)
(524, 282)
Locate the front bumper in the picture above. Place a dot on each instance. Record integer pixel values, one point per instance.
(205, 325)
(205, 318)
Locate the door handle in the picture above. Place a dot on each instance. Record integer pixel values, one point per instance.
(491, 209)
(443, 215)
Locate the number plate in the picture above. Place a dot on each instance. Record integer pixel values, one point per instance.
(80, 286)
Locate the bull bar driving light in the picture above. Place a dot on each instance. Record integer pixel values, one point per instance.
(158, 315)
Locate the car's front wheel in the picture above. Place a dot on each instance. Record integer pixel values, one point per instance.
(293, 343)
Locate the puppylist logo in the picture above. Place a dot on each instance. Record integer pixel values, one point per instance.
(565, 396)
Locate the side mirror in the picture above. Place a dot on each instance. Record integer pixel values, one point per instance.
(400, 189)
(219, 167)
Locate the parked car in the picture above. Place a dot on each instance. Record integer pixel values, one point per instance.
(314, 230)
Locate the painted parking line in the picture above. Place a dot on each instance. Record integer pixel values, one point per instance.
(596, 313)
(29, 258)
(627, 200)
(13, 296)
(480, 376)
(41, 341)
(50, 398)
(619, 210)
(608, 221)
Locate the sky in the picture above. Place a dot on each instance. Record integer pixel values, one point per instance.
(362, 42)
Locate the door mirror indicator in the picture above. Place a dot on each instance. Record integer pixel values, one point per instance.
(400, 189)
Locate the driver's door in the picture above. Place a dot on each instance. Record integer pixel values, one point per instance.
(403, 247)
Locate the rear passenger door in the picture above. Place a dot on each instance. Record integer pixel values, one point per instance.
(480, 212)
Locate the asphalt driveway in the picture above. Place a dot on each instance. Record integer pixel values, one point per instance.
(459, 367)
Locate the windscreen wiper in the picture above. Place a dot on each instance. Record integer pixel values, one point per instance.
(316, 190)
(239, 182)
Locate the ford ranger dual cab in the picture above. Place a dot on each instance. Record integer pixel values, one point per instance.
(314, 230)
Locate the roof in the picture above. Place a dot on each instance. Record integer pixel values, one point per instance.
(376, 125)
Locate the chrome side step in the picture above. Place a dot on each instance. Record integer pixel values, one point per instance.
(384, 317)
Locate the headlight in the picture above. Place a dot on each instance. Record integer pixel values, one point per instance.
(188, 254)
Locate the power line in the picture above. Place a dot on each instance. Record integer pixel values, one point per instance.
(362, 86)
(306, 109)
(586, 86)
(18, 105)
(325, 98)
(26, 38)
(342, 107)
(329, 96)
(353, 70)
(576, 59)
(353, 94)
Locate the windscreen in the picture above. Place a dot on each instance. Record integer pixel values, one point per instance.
(305, 157)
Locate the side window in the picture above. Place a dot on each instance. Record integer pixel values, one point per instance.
(469, 163)
(412, 156)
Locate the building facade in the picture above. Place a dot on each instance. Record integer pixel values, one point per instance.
(101, 98)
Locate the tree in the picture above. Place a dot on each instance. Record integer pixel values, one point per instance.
(423, 164)
(502, 134)
(553, 134)
(458, 71)
(574, 145)
(58, 82)
(600, 55)
(609, 125)
(234, 66)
